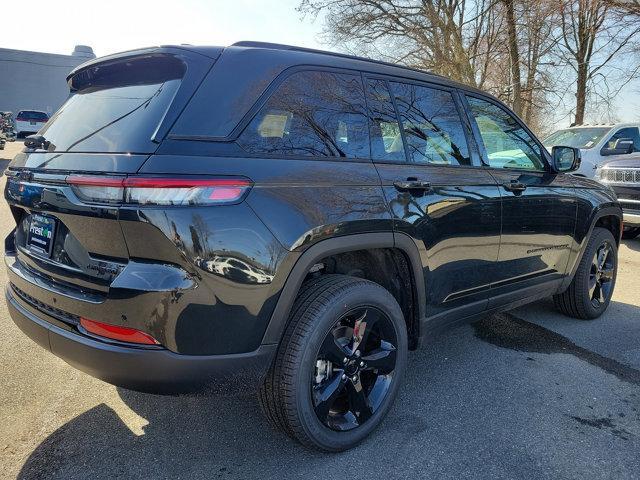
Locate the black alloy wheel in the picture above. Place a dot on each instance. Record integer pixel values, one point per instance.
(339, 365)
(354, 368)
(601, 274)
(590, 291)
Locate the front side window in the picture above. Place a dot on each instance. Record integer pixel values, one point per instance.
(432, 125)
(312, 114)
(630, 133)
(507, 144)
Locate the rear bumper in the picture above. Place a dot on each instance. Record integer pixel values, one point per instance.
(144, 369)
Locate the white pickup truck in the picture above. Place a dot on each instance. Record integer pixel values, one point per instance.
(598, 144)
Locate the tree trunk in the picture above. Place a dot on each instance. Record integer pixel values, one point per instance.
(581, 93)
(514, 57)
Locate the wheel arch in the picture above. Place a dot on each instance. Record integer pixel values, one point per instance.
(609, 217)
(341, 245)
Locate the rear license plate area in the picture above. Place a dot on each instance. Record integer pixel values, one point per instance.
(41, 234)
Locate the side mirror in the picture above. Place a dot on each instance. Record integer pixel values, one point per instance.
(622, 146)
(565, 159)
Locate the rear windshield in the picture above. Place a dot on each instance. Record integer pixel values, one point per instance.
(115, 108)
(576, 137)
(32, 115)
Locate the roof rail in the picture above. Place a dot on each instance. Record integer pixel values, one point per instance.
(280, 46)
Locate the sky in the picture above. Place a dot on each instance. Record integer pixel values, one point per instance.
(117, 25)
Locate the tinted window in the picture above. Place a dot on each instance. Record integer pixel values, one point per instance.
(386, 139)
(312, 114)
(116, 108)
(507, 144)
(25, 115)
(628, 133)
(431, 124)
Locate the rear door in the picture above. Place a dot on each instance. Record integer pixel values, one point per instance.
(437, 194)
(538, 206)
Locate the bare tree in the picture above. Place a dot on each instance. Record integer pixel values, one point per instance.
(594, 34)
(494, 45)
(514, 49)
(448, 37)
(514, 55)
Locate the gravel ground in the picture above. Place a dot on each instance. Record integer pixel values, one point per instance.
(530, 394)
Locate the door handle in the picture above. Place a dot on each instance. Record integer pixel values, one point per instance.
(514, 186)
(411, 185)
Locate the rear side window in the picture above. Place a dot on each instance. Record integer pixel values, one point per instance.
(116, 107)
(432, 125)
(311, 114)
(386, 139)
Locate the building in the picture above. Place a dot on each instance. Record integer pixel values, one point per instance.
(35, 80)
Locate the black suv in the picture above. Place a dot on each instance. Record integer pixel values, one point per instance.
(291, 220)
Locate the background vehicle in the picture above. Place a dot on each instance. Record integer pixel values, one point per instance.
(623, 176)
(326, 217)
(599, 144)
(30, 121)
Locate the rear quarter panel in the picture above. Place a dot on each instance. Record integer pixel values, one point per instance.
(293, 205)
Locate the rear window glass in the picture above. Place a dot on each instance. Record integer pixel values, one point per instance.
(116, 107)
(312, 114)
(31, 115)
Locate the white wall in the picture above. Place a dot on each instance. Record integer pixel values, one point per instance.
(34, 80)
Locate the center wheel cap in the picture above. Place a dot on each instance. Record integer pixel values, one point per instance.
(352, 367)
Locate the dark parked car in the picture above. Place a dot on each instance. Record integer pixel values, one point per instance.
(271, 217)
(623, 176)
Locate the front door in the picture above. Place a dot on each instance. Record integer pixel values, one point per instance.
(538, 206)
(437, 194)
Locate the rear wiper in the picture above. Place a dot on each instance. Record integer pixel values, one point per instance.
(37, 141)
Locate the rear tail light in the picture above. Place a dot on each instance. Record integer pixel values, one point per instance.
(115, 332)
(159, 191)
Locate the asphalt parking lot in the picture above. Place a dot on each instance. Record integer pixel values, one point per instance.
(530, 394)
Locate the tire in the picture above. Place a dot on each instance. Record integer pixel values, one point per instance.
(631, 233)
(589, 293)
(291, 396)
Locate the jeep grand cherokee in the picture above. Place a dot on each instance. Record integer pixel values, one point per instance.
(291, 220)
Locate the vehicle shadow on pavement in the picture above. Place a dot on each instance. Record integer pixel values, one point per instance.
(472, 406)
(3, 163)
(633, 244)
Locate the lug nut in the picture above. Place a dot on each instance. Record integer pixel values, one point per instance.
(345, 360)
(357, 353)
(354, 379)
(362, 364)
(344, 376)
